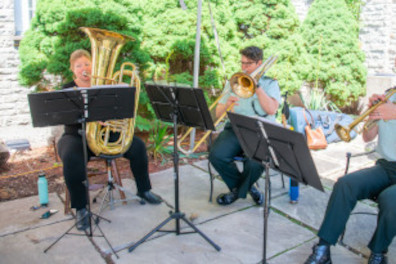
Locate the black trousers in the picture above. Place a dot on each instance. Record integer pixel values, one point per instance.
(222, 154)
(376, 182)
(70, 149)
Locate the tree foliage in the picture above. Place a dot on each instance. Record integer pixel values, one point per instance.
(335, 61)
(55, 33)
(273, 26)
(165, 42)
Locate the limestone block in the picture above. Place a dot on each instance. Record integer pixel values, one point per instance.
(378, 84)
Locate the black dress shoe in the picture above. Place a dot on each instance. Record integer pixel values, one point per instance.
(257, 196)
(150, 197)
(378, 258)
(320, 255)
(227, 198)
(82, 221)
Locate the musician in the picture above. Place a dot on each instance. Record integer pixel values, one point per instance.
(377, 182)
(70, 149)
(263, 103)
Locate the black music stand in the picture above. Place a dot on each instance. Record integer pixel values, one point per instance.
(82, 105)
(185, 106)
(278, 148)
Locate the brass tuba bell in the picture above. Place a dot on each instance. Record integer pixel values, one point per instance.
(105, 48)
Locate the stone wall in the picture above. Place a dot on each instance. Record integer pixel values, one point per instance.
(14, 109)
(302, 7)
(377, 36)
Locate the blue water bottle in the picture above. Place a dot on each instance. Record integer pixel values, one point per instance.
(42, 186)
(293, 191)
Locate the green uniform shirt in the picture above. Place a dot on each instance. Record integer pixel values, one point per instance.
(386, 146)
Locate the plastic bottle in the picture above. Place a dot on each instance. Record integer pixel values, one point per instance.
(42, 186)
(293, 191)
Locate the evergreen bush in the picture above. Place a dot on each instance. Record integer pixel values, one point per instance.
(324, 52)
(335, 61)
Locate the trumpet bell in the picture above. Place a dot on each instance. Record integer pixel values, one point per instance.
(243, 85)
(343, 132)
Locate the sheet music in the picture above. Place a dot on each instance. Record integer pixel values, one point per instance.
(265, 120)
(75, 88)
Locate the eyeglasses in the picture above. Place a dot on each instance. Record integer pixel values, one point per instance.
(247, 62)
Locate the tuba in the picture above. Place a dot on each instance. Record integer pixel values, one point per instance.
(105, 48)
(244, 86)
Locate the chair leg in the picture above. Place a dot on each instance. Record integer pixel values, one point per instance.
(341, 241)
(117, 179)
(211, 182)
(66, 205)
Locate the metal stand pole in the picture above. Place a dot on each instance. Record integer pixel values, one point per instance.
(88, 207)
(176, 215)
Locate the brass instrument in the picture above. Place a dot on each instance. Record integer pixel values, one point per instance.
(105, 48)
(244, 86)
(344, 132)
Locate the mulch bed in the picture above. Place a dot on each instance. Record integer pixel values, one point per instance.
(18, 178)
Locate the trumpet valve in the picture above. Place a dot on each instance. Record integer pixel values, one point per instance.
(343, 132)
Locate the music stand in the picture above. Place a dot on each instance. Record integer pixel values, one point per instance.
(185, 106)
(278, 148)
(82, 105)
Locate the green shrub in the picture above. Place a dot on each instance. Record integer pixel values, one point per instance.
(335, 61)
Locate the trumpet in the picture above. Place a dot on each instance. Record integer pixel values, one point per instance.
(344, 132)
(244, 86)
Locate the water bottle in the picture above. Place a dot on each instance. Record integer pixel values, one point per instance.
(294, 191)
(42, 186)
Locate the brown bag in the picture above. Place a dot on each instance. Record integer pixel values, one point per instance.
(315, 136)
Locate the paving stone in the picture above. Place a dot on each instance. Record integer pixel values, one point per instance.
(301, 253)
(28, 246)
(16, 215)
(239, 235)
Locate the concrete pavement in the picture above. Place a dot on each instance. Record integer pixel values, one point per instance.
(237, 228)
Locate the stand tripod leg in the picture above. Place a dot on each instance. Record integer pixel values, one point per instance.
(86, 233)
(59, 238)
(157, 228)
(202, 234)
(105, 238)
(102, 204)
(176, 215)
(111, 186)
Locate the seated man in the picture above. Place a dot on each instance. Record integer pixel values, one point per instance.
(263, 103)
(377, 181)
